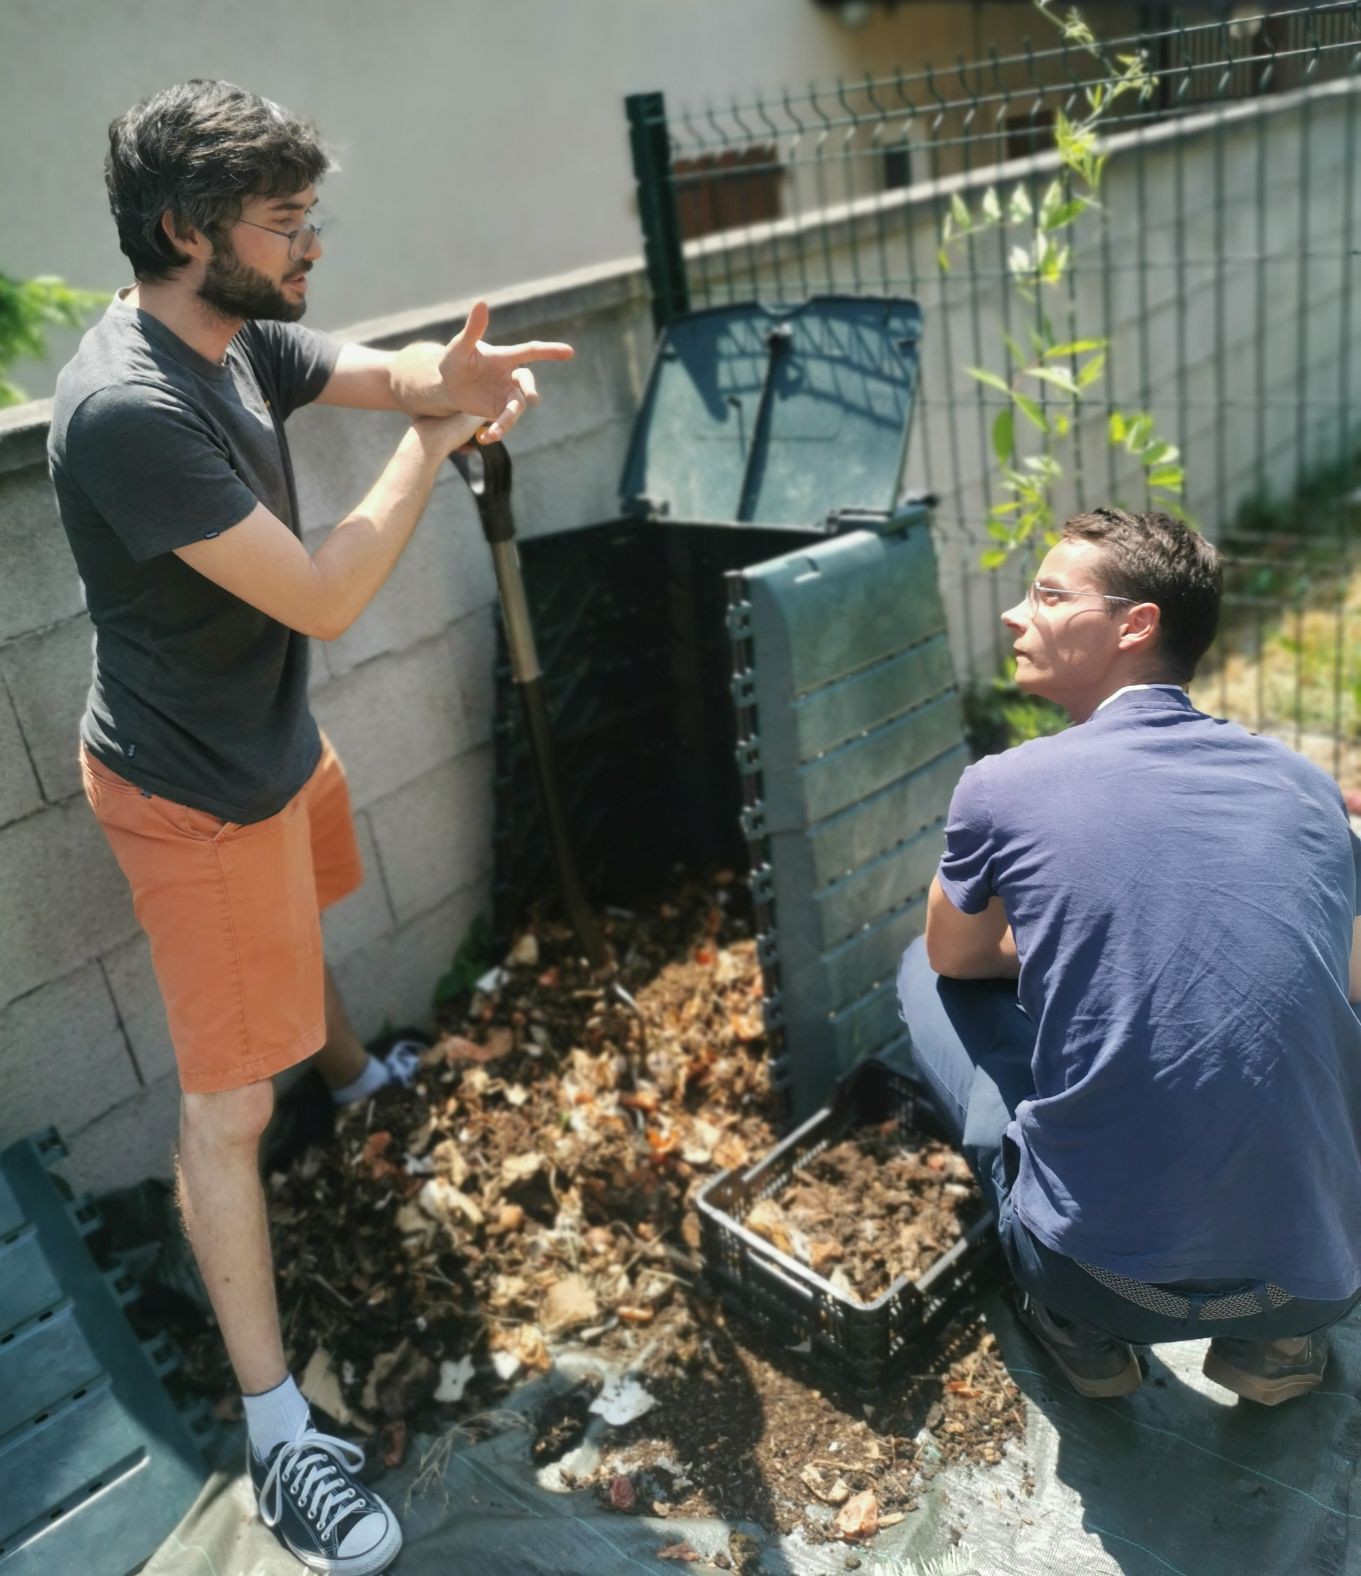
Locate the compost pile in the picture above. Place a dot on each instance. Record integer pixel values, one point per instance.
(534, 1191)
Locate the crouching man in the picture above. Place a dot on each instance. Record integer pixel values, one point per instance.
(1135, 1002)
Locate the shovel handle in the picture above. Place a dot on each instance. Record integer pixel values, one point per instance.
(486, 469)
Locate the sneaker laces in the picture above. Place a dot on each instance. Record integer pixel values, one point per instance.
(311, 1467)
(403, 1062)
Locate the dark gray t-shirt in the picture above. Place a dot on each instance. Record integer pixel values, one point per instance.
(196, 695)
(1182, 894)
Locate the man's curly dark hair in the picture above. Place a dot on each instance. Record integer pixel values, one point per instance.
(199, 150)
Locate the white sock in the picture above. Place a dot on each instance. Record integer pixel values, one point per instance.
(275, 1416)
(376, 1075)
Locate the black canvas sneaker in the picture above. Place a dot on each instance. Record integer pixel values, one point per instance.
(322, 1515)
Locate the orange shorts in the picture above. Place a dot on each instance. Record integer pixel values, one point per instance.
(233, 914)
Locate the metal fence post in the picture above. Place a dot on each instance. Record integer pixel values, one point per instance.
(651, 146)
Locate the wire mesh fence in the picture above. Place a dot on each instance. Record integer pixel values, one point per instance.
(1218, 270)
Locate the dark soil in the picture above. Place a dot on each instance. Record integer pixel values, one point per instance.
(757, 1438)
(535, 1191)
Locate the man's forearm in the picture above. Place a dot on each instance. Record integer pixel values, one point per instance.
(997, 963)
(359, 554)
(417, 385)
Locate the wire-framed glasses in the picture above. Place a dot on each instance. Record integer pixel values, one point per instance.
(1038, 596)
(299, 240)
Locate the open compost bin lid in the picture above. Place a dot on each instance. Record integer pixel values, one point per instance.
(776, 415)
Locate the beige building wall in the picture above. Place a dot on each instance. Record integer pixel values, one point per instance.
(480, 146)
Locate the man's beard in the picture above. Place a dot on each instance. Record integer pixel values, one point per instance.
(235, 291)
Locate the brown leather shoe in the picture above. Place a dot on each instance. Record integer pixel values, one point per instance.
(1096, 1364)
(1268, 1372)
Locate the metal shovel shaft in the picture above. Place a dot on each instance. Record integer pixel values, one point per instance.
(490, 487)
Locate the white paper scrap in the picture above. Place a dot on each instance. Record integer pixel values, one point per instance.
(506, 1364)
(621, 1400)
(453, 1379)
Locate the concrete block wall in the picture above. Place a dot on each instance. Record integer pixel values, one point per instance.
(405, 696)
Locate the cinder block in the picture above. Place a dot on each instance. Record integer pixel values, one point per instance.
(19, 790)
(395, 720)
(138, 999)
(63, 1057)
(434, 835)
(40, 585)
(444, 572)
(63, 899)
(393, 981)
(338, 455)
(474, 643)
(48, 676)
(366, 914)
(573, 483)
(135, 1140)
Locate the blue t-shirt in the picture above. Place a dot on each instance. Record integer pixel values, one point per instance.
(1182, 894)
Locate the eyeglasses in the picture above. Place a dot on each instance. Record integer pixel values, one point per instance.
(299, 240)
(1038, 596)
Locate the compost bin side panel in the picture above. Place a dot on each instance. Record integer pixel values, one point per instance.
(859, 743)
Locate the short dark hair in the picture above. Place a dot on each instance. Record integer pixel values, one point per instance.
(200, 150)
(1158, 558)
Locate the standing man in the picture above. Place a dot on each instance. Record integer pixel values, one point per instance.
(1134, 1003)
(224, 806)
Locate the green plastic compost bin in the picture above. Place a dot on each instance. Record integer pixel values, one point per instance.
(749, 667)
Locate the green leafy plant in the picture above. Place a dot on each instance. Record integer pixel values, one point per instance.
(1286, 660)
(471, 962)
(28, 308)
(1049, 377)
(998, 714)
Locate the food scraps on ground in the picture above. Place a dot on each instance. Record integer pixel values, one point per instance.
(534, 1190)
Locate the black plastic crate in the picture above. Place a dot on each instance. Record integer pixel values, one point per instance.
(860, 1345)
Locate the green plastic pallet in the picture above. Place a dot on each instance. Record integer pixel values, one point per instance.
(97, 1463)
